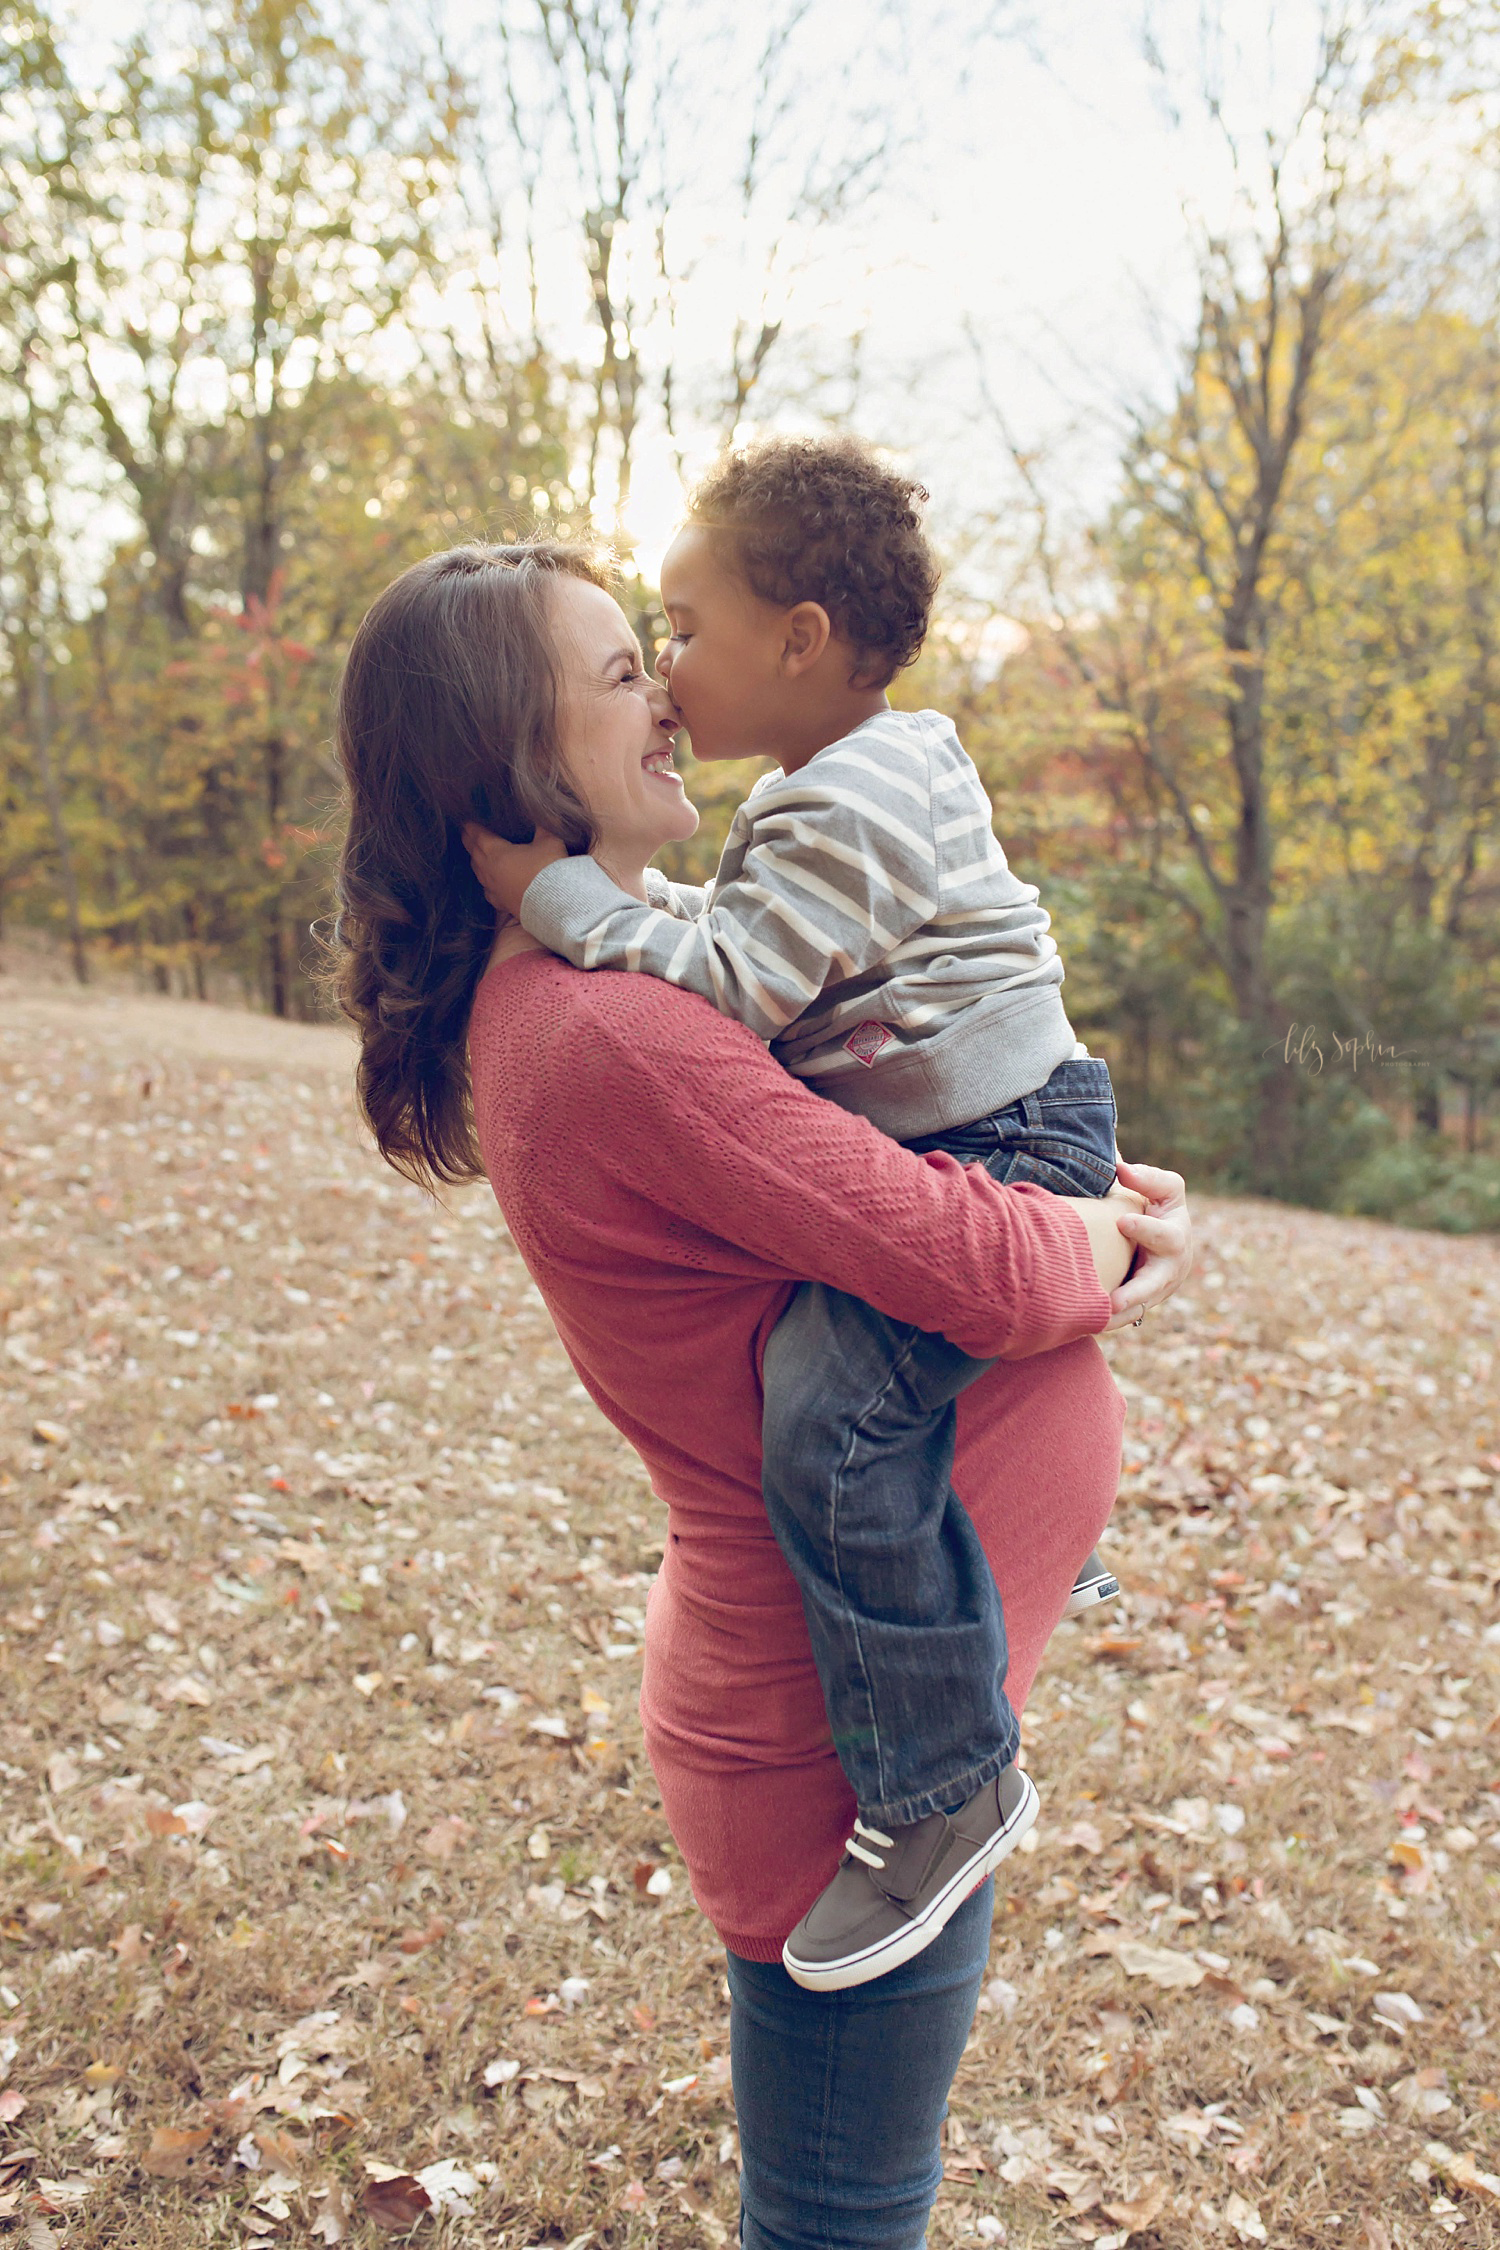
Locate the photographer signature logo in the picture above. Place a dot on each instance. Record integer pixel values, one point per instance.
(1304, 1049)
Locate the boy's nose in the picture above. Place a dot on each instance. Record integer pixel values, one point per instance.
(664, 661)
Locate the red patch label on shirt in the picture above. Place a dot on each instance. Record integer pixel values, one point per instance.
(866, 1040)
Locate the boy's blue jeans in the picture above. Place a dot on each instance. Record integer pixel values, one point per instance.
(907, 1628)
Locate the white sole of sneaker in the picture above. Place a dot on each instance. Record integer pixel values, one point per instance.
(905, 1944)
(1084, 1598)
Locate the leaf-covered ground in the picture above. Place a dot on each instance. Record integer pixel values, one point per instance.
(335, 1896)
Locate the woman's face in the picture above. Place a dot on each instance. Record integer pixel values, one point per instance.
(615, 729)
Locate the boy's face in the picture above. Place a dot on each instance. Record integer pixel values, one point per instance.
(724, 665)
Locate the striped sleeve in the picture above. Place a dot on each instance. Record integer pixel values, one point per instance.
(682, 899)
(839, 866)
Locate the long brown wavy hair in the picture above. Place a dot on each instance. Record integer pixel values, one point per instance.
(447, 713)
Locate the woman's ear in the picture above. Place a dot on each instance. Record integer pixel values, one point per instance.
(807, 632)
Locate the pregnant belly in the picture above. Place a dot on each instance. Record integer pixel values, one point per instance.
(730, 1702)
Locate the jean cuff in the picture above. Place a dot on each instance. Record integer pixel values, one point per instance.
(902, 1812)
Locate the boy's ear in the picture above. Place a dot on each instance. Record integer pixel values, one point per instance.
(807, 632)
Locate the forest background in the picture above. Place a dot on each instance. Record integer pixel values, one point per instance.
(290, 297)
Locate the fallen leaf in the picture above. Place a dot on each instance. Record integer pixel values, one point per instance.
(1140, 2210)
(331, 2221)
(1083, 1836)
(449, 2184)
(12, 2104)
(396, 2204)
(1158, 1963)
(306, 1554)
(235, 1760)
(133, 1945)
(281, 2150)
(415, 1941)
(1194, 2126)
(172, 2150)
(1245, 2219)
(1465, 2173)
(1397, 2010)
(63, 2195)
(445, 1837)
(63, 1773)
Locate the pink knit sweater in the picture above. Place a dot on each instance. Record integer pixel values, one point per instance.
(666, 1182)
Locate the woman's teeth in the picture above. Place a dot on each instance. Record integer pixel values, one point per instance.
(660, 762)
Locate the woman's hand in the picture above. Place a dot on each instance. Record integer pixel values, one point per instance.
(505, 871)
(1164, 1232)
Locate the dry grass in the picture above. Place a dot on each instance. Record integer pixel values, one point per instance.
(307, 1528)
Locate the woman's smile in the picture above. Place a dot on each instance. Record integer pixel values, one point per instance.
(616, 727)
(659, 764)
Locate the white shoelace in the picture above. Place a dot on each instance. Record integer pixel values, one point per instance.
(857, 1849)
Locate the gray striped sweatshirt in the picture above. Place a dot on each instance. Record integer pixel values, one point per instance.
(863, 921)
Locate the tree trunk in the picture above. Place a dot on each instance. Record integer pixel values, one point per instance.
(41, 734)
(275, 935)
(1247, 899)
(195, 950)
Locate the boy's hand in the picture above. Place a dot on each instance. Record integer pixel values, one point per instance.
(505, 871)
(1102, 1217)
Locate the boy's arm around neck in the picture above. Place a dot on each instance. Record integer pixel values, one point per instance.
(825, 874)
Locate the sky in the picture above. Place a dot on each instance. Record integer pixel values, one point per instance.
(1039, 229)
(1030, 241)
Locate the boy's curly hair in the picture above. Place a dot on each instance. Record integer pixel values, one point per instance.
(824, 520)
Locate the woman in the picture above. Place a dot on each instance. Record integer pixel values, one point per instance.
(667, 1184)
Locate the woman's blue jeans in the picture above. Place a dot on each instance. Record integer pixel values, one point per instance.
(840, 2095)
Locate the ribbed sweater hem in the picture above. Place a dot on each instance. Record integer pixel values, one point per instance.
(749, 1948)
(997, 1050)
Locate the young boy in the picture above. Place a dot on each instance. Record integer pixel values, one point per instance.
(863, 921)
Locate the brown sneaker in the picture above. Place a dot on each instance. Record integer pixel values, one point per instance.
(1095, 1583)
(894, 1893)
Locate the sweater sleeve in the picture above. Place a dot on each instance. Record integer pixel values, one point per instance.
(839, 867)
(707, 1126)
